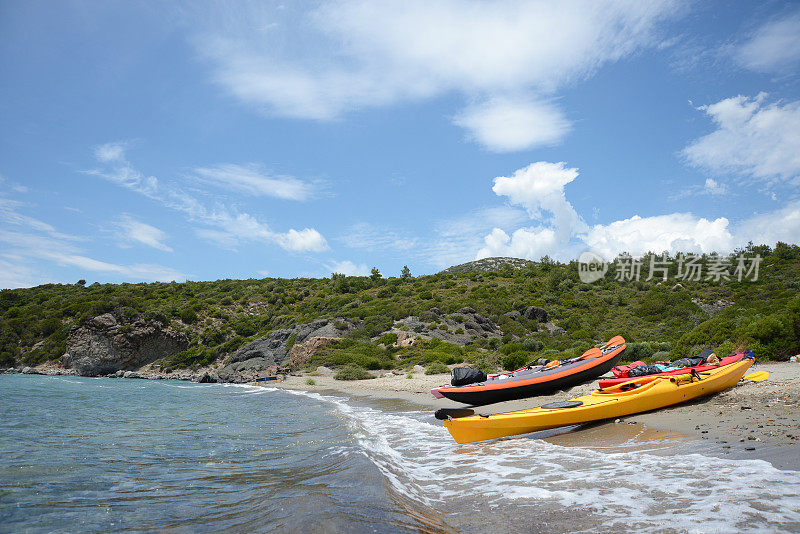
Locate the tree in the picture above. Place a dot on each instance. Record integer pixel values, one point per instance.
(405, 274)
(375, 274)
(340, 283)
(81, 282)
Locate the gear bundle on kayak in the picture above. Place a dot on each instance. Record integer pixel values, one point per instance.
(531, 380)
(705, 361)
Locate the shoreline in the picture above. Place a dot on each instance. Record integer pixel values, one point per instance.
(755, 420)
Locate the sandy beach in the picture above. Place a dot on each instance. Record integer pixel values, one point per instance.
(753, 419)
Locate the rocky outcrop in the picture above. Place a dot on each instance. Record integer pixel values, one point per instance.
(206, 377)
(712, 307)
(535, 313)
(405, 339)
(460, 327)
(301, 353)
(276, 350)
(102, 345)
(488, 264)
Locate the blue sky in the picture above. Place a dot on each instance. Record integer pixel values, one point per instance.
(204, 140)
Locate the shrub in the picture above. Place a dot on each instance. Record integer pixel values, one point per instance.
(638, 351)
(388, 339)
(725, 349)
(436, 368)
(515, 360)
(511, 347)
(310, 382)
(660, 356)
(245, 326)
(354, 352)
(212, 337)
(352, 372)
(188, 316)
(532, 345)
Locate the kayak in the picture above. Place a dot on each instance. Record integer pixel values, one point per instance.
(608, 382)
(637, 395)
(537, 380)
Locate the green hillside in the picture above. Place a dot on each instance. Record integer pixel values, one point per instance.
(675, 316)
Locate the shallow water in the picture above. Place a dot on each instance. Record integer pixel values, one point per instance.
(105, 454)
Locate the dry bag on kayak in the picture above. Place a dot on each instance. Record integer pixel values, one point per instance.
(621, 371)
(461, 376)
(687, 362)
(644, 370)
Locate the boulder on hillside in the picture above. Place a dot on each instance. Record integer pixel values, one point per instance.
(405, 339)
(103, 345)
(539, 314)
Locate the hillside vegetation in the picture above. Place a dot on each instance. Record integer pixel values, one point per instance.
(659, 319)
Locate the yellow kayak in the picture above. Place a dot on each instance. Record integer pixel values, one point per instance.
(637, 395)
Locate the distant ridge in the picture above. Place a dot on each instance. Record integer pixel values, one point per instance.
(487, 264)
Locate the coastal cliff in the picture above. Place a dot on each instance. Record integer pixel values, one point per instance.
(103, 345)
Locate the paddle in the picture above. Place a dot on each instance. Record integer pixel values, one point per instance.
(758, 376)
(591, 353)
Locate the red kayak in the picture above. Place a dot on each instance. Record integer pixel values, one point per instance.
(608, 382)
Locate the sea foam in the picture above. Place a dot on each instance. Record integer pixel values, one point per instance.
(620, 490)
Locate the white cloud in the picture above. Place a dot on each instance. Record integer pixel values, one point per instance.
(349, 55)
(752, 139)
(709, 187)
(507, 125)
(365, 235)
(774, 47)
(532, 243)
(15, 187)
(684, 232)
(110, 152)
(26, 246)
(254, 181)
(10, 214)
(562, 234)
(676, 232)
(133, 230)
(223, 225)
(768, 228)
(349, 268)
(713, 187)
(539, 188)
(305, 240)
(457, 239)
(14, 273)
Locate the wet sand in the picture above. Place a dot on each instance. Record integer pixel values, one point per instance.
(751, 420)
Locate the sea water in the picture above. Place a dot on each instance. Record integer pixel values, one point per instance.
(83, 454)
